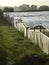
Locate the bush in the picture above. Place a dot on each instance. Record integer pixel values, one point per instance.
(1, 14)
(3, 57)
(33, 59)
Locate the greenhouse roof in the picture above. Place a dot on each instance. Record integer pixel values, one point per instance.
(32, 19)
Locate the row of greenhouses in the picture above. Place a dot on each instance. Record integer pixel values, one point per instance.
(34, 25)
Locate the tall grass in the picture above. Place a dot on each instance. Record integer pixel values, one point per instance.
(14, 43)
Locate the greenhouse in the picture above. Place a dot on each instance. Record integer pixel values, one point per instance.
(34, 25)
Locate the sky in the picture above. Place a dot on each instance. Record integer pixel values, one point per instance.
(20, 2)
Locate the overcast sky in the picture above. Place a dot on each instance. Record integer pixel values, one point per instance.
(20, 2)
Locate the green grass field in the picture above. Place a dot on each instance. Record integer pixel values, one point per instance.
(14, 44)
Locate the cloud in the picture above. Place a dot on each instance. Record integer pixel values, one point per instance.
(20, 2)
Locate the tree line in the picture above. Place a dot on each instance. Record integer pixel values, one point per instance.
(26, 8)
(31, 8)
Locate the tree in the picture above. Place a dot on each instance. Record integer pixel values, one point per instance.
(6, 9)
(33, 7)
(24, 7)
(43, 8)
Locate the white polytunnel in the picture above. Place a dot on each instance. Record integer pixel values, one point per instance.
(34, 25)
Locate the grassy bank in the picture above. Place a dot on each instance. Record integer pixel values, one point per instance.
(15, 45)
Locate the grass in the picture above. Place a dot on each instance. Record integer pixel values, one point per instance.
(47, 33)
(14, 43)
